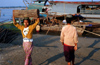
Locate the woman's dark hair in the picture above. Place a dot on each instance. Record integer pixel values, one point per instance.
(69, 20)
(27, 18)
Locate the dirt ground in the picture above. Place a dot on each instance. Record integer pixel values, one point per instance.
(48, 50)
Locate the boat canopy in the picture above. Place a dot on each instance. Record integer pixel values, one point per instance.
(82, 3)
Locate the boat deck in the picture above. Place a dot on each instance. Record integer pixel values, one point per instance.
(79, 26)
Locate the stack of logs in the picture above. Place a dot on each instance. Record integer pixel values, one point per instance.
(7, 36)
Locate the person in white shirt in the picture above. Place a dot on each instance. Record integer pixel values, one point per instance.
(69, 39)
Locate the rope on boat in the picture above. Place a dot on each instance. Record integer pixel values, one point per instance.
(48, 29)
(54, 17)
(92, 32)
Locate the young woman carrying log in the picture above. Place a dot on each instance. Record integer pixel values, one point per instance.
(27, 33)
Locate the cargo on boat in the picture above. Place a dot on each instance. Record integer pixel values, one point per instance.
(52, 15)
(86, 9)
(81, 27)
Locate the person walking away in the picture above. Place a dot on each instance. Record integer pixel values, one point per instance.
(69, 39)
(27, 33)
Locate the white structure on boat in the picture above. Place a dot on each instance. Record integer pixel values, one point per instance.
(87, 9)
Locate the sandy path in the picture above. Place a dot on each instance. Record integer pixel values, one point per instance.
(48, 50)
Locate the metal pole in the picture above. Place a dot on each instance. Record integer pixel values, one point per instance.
(25, 4)
(64, 12)
(31, 1)
(92, 6)
(20, 21)
(64, 7)
(92, 0)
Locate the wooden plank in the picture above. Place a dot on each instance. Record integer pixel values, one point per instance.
(26, 13)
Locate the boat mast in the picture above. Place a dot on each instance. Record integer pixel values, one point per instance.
(45, 2)
(25, 3)
(31, 1)
(92, 6)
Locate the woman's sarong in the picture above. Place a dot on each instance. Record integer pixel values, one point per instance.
(28, 46)
(69, 53)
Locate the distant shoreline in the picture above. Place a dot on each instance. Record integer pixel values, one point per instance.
(7, 7)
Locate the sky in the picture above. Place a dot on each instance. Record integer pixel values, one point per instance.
(11, 3)
(76, 0)
(4, 3)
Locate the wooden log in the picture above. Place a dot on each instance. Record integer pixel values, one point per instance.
(26, 13)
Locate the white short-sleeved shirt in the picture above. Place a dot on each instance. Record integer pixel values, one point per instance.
(69, 35)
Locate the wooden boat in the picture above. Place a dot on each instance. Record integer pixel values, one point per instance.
(71, 9)
(96, 30)
(81, 27)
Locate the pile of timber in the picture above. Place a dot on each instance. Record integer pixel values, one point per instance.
(7, 36)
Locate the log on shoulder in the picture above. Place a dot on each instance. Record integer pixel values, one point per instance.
(26, 13)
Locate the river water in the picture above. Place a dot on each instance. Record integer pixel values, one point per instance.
(6, 14)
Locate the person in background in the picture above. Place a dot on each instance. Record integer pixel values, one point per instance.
(64, 22)
(37, 28)
(27, 33)
(43, 9)
(69, 39)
